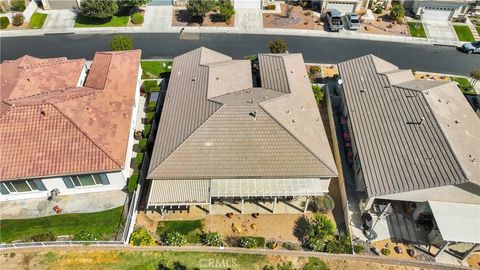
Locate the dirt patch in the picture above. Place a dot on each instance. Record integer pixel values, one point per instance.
(13, 260)
(299, 18)
(144, 221)
(181, 17)
(430, 76)
(384, 25)
(368, 265)
(474, 261)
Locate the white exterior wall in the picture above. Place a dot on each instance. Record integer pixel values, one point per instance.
(116, 179)
(460, 6)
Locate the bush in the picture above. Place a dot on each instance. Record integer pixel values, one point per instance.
(285, 266)
(152, 106)
(272, 245)
(314, 264)
(249, 242)
(149, 85)
(323, 204)
(270, 7)
(121, 43)
(291, 246)
(378, 10)
(133, 182)
(43, 237)
(142, 144)
(139, 160)
(18, 19)
(4, 22)
(226, 11)
(199, 8)
(141, 238)
(320, 231)
(213, 239)
(18, 5)
(150, 116)
(318, 93)
(385, 251)
(86, 236)
(358, 249)
(101, 9)
(137, 18)
(132, 3)
(278, 46)
(314, 70)
(397, 13)
(174, 239)
(146, 130)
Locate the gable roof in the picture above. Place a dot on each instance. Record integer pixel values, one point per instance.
(403, 140)
(227, 128)
(50, 126)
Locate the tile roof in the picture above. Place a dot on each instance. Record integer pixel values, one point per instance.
(53, 127)
(404, 135)
(237, 130)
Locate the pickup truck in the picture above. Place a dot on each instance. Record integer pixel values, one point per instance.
(334, 20)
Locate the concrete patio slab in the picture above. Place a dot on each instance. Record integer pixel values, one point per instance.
(440, 30)
(78, 203)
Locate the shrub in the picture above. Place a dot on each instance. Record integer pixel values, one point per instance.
(146, 130)
(320, 230)
(226, 11)
(139, 160)
(314, 264)
(101, 9)
(86, 236)
(150, 116)
(278, 46)
(199, 8)
(121, 43)
(318, 93)
(272, 245)
(270, 7)
(152, 106)
(43, 237)
(18, 5)
(314, 70)
(133, 182)
(142, 144)
(323, 204)
(385, 251)
(285, 266)
(174, 239)
(213, 239)
(137, 18)
(141, 237)
(291, 246)
(358, 249)
(249, 242)
(149, 85)
(4, 22)
(132, 3)
(18, 19)
(397, 13)
(378, 10)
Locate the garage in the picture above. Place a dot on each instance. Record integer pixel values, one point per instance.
(341, 6)
(247, 4)
(437, 13)
(160, 3)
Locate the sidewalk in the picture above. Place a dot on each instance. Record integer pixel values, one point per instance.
(158, 20)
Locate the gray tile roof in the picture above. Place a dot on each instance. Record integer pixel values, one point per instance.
(402, 134)
(247, 132)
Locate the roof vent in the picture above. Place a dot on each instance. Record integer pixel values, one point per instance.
(302, 108)
(421, 120)
(93, 118)
(293, 120)
(43, 113)
(439, 100)
(288, 111)
(254, 115)
(456, 122)
(90, 109)
(194, 79)
(251, 100)
(291, 71)
(317, 119)
(362, 90)
(178, 74)
(217, 78)
(28, 79)
(265, 97)
(125, 115)
(44, 99)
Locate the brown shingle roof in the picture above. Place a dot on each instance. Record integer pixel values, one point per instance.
(56, 128)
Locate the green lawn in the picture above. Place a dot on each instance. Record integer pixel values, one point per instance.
(464, 85)
(115, 21)
(37, 20)
(464, 33)
(102, 223)
(192, 229)
(416, 29)
(155, 69)
(478, 29)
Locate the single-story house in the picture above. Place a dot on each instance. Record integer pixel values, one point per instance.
(415, 142)
(445, 10)
(223, 140)
(67, 128)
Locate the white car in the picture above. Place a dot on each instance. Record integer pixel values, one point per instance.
(352, 21)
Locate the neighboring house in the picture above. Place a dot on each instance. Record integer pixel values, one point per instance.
(445, 10)
(65, 127)
(249, 4)
(414, 142)
(223, 140)
(344, 6)
(60, 4)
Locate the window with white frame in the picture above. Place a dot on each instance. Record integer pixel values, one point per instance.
(85, 180)
(21, 186)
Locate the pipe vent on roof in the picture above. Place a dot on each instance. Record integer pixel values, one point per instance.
(194, 79)
(457, 122)
(254, 115)
(293, 120)
(43, 113)
(362, 90)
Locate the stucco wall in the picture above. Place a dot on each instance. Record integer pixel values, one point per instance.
(459, 6)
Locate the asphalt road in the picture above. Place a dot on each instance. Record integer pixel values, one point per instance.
(315, 49)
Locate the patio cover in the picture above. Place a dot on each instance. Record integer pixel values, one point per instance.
(457, 222)
(179, 192)
(222, 188)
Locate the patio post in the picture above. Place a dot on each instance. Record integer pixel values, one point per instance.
(241, 209)
(306, 205)
(274, 204)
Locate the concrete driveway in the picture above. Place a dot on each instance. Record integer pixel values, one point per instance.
(248, 19)
(59, 20)
(158, 18)
(440, 30)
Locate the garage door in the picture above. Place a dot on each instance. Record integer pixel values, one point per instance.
(160, 3)
(434, 13)
(342, 7)
(247, 4)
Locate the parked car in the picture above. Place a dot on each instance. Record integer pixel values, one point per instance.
(473, 47)
(334, 20)
(352, 21)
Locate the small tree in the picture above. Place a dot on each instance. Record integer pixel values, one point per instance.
(101, 9)
(132, 3)
(213, 239)
(320, 231)
(121, 43)
(226, 11)
(323, 204)
(475, 74)
(18, 19)
(141, 238)
(397, 13)
(199, 8)
(18, 5)
(4, 22)
(318, 93)
(278, 46)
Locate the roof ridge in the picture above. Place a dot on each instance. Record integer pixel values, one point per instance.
(51, 63)
(35, 95)
(295, 137)
(86, 135)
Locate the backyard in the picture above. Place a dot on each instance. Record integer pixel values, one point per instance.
(416, 29)
(37, 20)
(463, 32)
(103, 223)
(192, 229)
(155, 69)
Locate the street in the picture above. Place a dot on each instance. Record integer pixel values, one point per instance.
(315, 49)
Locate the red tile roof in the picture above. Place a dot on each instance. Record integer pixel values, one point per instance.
(50, 127)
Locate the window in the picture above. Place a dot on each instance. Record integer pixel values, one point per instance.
(22, 186)
(85, 180)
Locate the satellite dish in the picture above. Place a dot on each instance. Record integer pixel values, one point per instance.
(339, 81)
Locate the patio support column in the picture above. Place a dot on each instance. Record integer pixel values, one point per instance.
(241, 209)
(274, 204)
(306, 205)
(442, 249)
